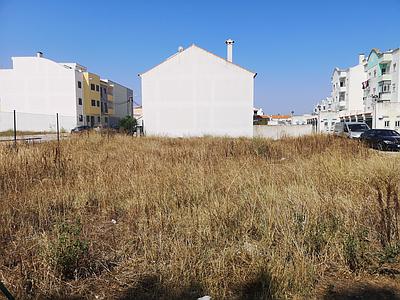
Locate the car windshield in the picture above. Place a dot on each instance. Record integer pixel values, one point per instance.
(387, 133)
(358, 127)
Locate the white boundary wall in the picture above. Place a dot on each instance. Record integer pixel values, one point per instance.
(279, 131)
(35, 122)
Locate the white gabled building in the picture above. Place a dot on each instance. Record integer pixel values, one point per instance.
(197, 93)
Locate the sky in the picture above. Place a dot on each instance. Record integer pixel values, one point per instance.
(292, 45)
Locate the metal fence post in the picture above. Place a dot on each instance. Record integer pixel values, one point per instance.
(6, 292)
(15, 129)
(58, 130)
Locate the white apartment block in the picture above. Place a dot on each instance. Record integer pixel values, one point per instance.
(367, 92)
(381, 95)
(36, 85)
(37, 88)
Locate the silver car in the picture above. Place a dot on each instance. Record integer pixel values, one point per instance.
(351, 130)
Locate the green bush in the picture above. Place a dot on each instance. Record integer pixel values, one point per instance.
(69, 250)
(128, 123)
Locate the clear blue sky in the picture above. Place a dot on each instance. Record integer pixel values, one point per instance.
(292, 45)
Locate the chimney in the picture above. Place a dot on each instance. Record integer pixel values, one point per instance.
(229, 45)
(39, 54)
(361, 58)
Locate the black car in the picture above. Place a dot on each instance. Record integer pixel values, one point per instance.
(382, 139)
(81, 129)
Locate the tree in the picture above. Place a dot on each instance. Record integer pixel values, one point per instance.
(128, 124)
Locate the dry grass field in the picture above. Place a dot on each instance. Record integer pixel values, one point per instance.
(116, 217)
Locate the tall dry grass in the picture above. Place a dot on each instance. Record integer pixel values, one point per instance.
(126, 218)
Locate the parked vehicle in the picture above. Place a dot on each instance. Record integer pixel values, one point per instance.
(382, 139)
(351, 130)
(82, 128)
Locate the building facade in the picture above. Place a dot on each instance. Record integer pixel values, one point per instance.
(40, 86)
(367, 92)
(192, 92)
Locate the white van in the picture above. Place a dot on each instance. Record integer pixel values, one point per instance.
(351, 130)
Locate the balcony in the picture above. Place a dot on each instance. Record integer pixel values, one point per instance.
(385, 96)
(385, 77)
(386, 58)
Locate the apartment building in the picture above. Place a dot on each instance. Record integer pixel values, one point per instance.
(381, 95)
(367, 92)
(39, 87)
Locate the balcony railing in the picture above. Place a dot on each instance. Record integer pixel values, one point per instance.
(385, 96)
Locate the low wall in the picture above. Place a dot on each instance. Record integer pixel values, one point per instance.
(279, 131)
(35, 122)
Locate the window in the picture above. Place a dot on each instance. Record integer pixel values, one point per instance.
(384, 87)
(80, 101)
(374, 73)
(93, 102)
(98, 119)
(80, 118)
(394, 67)
(97, 88)
(92, 87)
(397, 123)
(106, 119)
(342, 84)
(79, 84)
(387, 124)
(98, 103)
(87, 119)
(393, 87)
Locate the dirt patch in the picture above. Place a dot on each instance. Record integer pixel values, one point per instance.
(368, 289)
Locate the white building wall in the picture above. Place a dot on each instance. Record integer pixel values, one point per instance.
(38, 85)
(122, 103)
(355, 77)
(196, 93)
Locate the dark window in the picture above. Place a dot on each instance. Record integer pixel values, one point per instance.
(106, 119)
(98, 103)
(87, 119)
(80, 101)
(98, 119)
(93, 102)
(92, 87)
(79, 84)
(80, 118)
(97, 88)
(358, 127)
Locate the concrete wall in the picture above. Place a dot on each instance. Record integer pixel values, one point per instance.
(196, 93)
(35, 122)
(279, 131)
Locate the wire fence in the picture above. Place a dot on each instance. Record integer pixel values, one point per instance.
(16, 126)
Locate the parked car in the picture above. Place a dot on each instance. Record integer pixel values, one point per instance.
(81, 129)
(382, 139)
(351, 130)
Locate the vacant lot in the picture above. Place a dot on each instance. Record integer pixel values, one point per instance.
(145, 218)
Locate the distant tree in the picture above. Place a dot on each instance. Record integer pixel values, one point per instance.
(128, 124)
